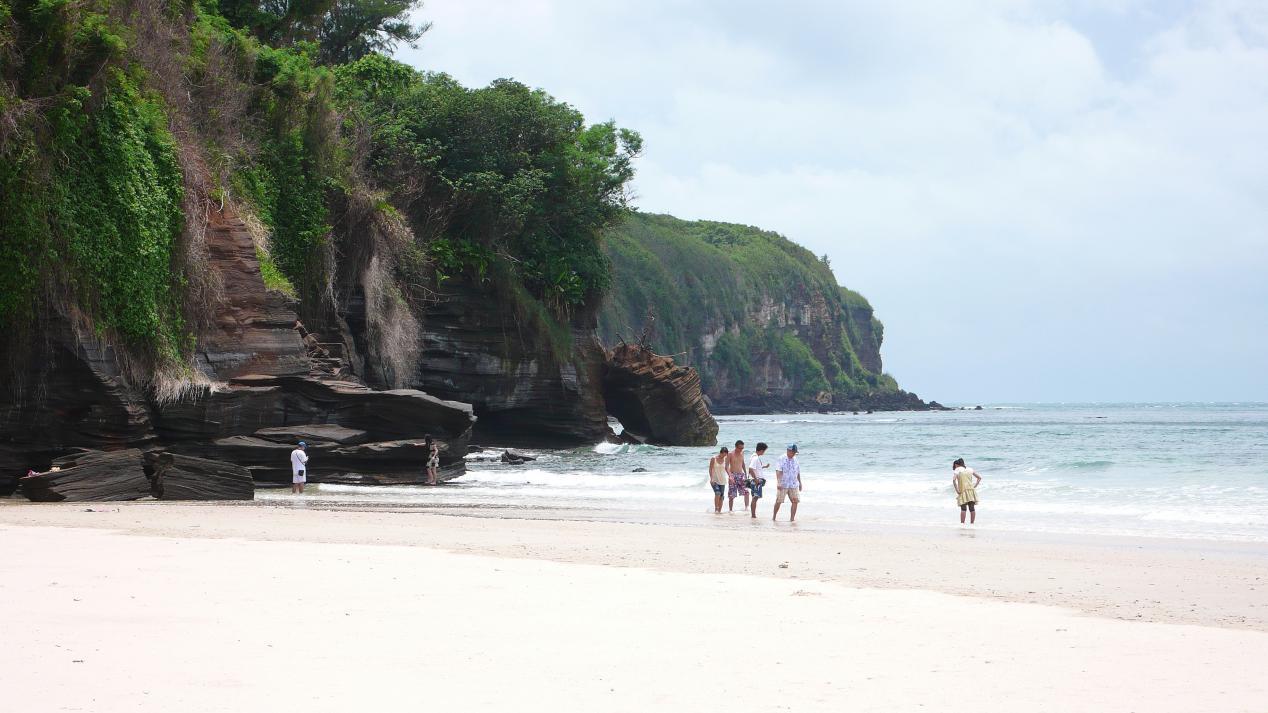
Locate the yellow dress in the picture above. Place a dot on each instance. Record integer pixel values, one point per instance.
(967, 492)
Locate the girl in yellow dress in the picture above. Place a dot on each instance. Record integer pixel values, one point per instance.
(965, 480)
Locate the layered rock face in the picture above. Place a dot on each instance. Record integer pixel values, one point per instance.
(524, 389)
(72, 393)
(130, 474)
(656, 400)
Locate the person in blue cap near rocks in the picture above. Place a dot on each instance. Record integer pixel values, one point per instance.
(299, 468)
(789, 474)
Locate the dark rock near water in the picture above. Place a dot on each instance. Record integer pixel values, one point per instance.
(526, 388)
(90, 476)
(178, 477)
(66, 391)
(657, 399)
(516, 458)
(639, 470)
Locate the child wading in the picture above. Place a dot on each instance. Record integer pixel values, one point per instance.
(718, 477)
(965, 481)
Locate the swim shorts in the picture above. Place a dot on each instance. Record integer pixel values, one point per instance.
(737, 485)
(755, 486)
(718, 489)
(968, 506)
(792, 494)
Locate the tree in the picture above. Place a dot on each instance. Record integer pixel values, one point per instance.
(352, 29)
(344, 30)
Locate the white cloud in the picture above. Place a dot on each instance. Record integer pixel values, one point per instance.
(1074, 190)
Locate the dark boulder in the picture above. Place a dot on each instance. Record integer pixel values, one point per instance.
(516, 458)
(178, 477)
(656, 399)
(90, 475)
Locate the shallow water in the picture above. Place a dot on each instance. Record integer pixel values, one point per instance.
(1158, 470)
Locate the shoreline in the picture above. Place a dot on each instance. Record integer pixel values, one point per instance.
(1205, 583)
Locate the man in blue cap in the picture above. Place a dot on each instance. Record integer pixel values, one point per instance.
(789, 473)
(299, 468)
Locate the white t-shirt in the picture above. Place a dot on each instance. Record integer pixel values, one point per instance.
(299, 459)
(758, 464)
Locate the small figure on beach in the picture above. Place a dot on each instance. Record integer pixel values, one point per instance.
(299, 468)
(756, 478)
(965, 480)
(738, 475)
(718, 477)
(433, 458)
(788, 480)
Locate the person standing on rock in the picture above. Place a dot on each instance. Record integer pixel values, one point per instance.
(789, 474)
(299, 468)
(718, 478)
(736, 468)
(757, 466)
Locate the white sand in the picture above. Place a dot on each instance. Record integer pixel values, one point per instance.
(228, 616)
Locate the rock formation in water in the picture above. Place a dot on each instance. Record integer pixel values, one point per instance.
(656, 400)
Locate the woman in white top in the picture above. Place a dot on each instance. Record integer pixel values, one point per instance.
(718, 477)
(965, 480)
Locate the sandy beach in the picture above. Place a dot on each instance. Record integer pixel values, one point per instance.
(160, 606)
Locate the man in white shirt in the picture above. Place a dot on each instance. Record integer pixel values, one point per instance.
(757, 478)
(299, 468)
(789, 473)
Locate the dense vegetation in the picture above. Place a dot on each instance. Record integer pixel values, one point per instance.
(729, 298)
(123, 121)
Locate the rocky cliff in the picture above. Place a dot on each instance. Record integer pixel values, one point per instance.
(258, 390)
(762, 318)
(529, 385)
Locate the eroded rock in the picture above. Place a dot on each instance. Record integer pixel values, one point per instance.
(657, 400)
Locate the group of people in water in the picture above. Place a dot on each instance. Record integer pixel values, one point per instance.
(733, 475)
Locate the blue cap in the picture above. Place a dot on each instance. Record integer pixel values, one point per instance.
(792, 447)
(303, 445)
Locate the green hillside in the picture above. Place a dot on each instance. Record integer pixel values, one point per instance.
(761, 317)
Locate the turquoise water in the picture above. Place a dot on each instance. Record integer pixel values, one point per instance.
(1166, 470)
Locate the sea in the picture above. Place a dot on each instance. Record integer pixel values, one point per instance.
(1162, 470)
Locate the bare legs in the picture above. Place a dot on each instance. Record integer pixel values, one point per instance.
(972, 513)
(717, 502)
(753, 508)
(792, 515)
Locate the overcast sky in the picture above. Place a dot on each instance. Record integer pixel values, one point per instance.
(1044, 201)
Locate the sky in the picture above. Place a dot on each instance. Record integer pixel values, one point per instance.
(1044, 200)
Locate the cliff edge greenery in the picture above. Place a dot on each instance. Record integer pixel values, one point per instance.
(761, 317)
(123, 121)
